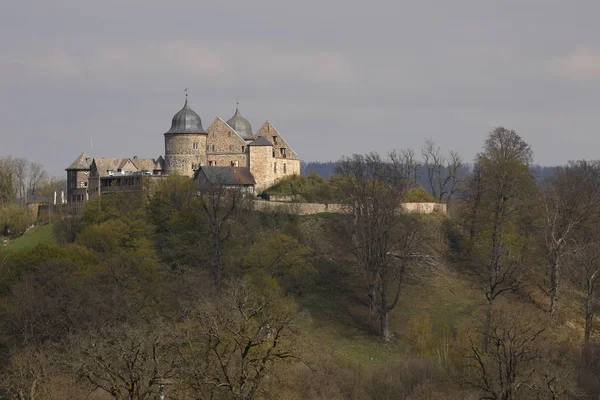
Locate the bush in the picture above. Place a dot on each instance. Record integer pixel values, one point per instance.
(15, 220)
(418, 195)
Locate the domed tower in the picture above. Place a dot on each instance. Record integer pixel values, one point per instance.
(185, 143)
(241, 125)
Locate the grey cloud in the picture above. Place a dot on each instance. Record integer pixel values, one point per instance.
(334, 77)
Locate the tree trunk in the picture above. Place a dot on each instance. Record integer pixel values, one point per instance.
(589, 312)
(384, 314)
(554, 277)
(372, 299)
(488, 325)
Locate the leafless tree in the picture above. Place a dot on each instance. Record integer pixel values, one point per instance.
(7, 183)
(444, 174)
(20, 171)
(236, 341)
(373, 189)
(123, 360)
(502, 370)
(407, 159)
(220, 207)
(36, 175)
(570, 197)
(383, 240)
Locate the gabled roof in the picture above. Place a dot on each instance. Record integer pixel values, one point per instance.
(261, 141)
(228, 127)
(83, 162)
(104, 164)
(226, 175)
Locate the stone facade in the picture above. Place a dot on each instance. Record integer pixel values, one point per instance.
(317, 208)
(184, 153)
(187, 148)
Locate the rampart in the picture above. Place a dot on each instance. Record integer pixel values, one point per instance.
(317, 208)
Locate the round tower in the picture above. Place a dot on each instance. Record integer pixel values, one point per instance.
(185, 143)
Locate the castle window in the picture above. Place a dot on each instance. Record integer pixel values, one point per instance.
(230, 147)
(212, 163)
(275, 139)
(243, 148)
(275, 167)
(235, 164)
(207, 147)
(229, 133)
(284, 168)
(214, 147)
(283, 152)
(195, 146)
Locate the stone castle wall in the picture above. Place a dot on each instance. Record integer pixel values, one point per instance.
(225, 139)
(180, 155)
(317, 208)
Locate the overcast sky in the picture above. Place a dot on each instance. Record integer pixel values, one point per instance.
(334, 77)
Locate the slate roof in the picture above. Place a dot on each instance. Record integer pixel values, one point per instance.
(186, 121)
(104, 164)
(261, 141)
(83, 162)
(227, 175)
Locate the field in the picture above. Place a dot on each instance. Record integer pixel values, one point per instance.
(33, 237)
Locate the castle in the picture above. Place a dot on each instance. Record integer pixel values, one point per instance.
(226, 153)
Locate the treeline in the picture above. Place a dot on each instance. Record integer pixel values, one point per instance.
(189, 292)
(22, 181)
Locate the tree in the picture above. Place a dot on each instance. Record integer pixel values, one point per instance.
(220, 206)
(570, 197)
(238, 339)
(124, 360)
(444, 174)
(36, 176)
(383, 241)
(7, 183)
(503, 370)
(502, 185)
(283, 258)
(373, 190)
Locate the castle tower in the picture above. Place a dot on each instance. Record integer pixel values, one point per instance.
(260, 162)
(185, 143)
(241, 125)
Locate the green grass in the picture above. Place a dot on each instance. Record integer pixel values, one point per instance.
(38, 235)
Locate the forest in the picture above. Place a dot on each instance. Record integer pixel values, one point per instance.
(182, 292)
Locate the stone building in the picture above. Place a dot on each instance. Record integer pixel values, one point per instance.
(264, 154)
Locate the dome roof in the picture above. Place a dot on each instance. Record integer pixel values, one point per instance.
(186, 121)
(241, 125)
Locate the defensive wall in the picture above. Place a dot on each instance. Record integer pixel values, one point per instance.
(317, 208)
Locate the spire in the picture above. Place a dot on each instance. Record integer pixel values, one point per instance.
(186, 96)
(237, 104)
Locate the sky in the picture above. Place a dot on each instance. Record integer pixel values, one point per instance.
(334, 77)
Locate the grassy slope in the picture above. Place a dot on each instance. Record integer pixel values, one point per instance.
(449, 298)
(33, 237)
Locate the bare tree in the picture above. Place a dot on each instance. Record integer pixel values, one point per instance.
(123, 360)
(220, 206)
(502, 370)
(20, 172)
(7, 183)
(570, 197)
(383, 240)
(410, 165)
(236, 341)
(37, 175)
(443, 173)
(373, 190)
